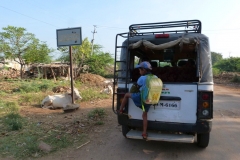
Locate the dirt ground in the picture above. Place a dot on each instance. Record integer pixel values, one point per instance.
(104, 136)
(77, 120)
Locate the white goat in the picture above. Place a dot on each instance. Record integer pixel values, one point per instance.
(60, 101)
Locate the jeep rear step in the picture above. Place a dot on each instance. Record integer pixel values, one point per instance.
(154, 136)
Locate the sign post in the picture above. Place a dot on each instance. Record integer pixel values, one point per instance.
(69, 37)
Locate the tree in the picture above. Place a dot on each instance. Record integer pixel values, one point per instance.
(80, 53)
(216, 57)
(99, 62)
(16, 41)
(231, 64)
(37, 53)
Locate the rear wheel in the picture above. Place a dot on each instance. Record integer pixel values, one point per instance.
(125, 130)
(203, 139)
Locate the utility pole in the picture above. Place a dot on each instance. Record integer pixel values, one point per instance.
(93, 37)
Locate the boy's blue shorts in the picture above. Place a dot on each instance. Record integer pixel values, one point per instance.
(136, 97)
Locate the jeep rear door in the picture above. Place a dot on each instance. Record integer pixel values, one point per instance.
(178, 103)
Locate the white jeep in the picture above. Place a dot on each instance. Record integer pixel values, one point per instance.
(181, 58)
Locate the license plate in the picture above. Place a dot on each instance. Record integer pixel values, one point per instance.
(169, 105)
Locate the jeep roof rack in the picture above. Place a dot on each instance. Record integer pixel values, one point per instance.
(189, 26)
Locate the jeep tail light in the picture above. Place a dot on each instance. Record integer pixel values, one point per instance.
(205, 105)
(161, 35)
(205, 96)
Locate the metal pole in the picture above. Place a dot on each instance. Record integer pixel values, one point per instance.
(93, 38)
(71, 72)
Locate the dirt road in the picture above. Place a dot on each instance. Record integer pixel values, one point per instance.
(108, 143)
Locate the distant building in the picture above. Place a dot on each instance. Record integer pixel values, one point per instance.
(9, 63)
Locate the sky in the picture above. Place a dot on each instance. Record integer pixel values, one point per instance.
(220, 19)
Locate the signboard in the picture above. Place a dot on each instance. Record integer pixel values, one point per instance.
(69, 37)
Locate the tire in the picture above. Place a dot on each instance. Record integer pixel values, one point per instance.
(125, 130)
(203, 140)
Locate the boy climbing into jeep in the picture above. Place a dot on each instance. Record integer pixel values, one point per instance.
(144, 69)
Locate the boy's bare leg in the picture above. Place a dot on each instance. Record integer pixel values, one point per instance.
(145, 123)
(124, 102)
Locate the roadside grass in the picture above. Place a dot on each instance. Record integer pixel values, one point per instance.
(2, 93)
(97, 115)
(32, 92)
(24, 143)
(92, 94)
(20, 136)
(32, 98)
(8, 107)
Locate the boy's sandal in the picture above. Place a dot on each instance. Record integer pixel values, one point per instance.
(144, 135)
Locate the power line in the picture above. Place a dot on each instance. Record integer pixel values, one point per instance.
(230, 29)
(44, 9)
(28, 16)
(111, 27)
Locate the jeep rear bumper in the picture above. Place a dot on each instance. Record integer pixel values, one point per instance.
(201, 126)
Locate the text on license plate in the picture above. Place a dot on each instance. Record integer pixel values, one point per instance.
(169, 104)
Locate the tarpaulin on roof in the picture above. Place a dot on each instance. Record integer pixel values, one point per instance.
(204, 62)
(150, 45)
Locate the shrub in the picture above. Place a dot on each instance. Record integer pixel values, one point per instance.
(8, 107)
(14, 121)
(97, 113)
(215, 71)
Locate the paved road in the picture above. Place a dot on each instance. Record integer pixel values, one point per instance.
(224, 139)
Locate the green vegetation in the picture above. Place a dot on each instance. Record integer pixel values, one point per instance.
(33, 92)
(98, 61)
(24, 143)
(216, 57)
(215, 71)
(21, 136)
(35, 86)
(8, 107)
(231, 64)
(97, 113)
(13, 121)
(17, 43)
(32, 98)
(91, 94)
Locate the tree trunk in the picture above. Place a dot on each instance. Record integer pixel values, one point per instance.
(21, 71)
